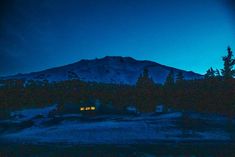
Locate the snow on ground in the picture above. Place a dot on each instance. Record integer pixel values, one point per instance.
(28, 114)
(116, 129)
(88, 133)
(171, 115)
(209, 116)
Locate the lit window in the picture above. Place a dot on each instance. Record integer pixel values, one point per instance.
(82, 108)
(88, 108)
(93, 108)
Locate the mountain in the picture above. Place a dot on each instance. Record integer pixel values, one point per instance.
(110, 69)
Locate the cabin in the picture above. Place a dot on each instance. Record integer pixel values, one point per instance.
(88, 109)
(89, 106)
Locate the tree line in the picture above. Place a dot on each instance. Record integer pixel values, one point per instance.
(214, 93)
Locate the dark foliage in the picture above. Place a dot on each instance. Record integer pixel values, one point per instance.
(170, 79)
(229, 61)
(215, 93)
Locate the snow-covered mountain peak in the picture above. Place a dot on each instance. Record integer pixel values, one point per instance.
(110, 69)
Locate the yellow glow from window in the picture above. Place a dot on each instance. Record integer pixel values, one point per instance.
(88, 108)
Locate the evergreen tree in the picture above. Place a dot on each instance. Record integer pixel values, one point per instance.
(169, 89)
(144, 80)
(170, 78)
(229, 61)
(217, 73)
(145, 101)
(146, 73)
(179, 77)
(210, 73)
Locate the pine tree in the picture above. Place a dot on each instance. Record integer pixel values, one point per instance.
(229, 61)
(144, 80)
(217, 73)
(146, 73)
(179, 77)
(144, 93)
(210, 73)
(170, 79)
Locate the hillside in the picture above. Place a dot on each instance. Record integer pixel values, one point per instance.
(110, 69)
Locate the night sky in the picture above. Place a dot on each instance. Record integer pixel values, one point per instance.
(186, 34)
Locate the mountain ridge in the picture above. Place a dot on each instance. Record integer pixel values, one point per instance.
(109, 69)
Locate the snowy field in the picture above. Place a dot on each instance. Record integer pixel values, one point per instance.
(41, 131)
(36, 126)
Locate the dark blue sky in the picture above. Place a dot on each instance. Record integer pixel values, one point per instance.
(186, 34)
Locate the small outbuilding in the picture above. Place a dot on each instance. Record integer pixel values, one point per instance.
(131, 109)
(91, 105)
(159, 108)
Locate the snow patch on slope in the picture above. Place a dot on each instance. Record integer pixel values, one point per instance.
(120, 70)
